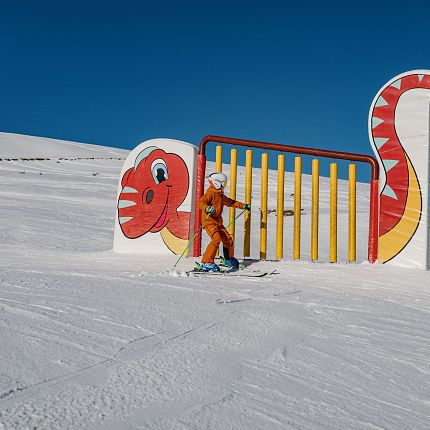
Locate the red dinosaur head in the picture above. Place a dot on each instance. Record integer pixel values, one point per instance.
(152, 191)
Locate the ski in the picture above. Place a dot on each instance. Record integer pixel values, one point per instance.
(242, 273)
(233, 272)
(228, 271)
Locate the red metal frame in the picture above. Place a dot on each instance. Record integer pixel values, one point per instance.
(374, 197)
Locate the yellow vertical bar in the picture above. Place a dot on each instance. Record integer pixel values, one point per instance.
(333, 213)
(263, 221)
(352, 225)
(233, 179)
(315, 208)
(280, 209)
(297, 206)
(218, 159)
(248, 190)
(218, 166)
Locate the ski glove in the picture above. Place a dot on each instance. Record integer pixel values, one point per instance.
(247, 207)
(210, 210)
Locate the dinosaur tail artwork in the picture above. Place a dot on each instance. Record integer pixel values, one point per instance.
(399, 135)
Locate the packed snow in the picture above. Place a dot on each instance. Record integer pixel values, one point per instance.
(91, 339)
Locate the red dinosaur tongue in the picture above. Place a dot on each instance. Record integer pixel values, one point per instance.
(162, 218)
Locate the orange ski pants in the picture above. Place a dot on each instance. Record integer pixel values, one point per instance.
(218, 234)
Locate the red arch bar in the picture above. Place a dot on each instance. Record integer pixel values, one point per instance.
(374, 197)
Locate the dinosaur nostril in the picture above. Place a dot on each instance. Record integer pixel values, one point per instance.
(149, 196)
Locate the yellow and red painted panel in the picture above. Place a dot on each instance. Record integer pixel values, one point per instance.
(155, 198)
(399, 134)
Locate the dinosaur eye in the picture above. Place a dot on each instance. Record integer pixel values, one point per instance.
(159, 171)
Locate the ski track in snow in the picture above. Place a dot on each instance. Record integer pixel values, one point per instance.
(96, 340)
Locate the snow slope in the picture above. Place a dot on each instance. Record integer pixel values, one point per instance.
(22, 146)
(96, 340)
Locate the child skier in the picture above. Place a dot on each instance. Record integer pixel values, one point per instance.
(212, 204)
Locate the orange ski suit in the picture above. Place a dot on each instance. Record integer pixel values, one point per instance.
(213, 226)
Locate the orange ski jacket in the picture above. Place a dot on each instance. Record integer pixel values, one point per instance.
(217, 199)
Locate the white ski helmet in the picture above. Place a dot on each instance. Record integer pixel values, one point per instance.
(217, 180)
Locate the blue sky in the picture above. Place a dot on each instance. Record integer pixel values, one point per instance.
(117, 73)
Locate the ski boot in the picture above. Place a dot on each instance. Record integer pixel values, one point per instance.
(230, 262)
(209, 267)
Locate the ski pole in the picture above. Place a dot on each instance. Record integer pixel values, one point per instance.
(235, 219)
(188, 245)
